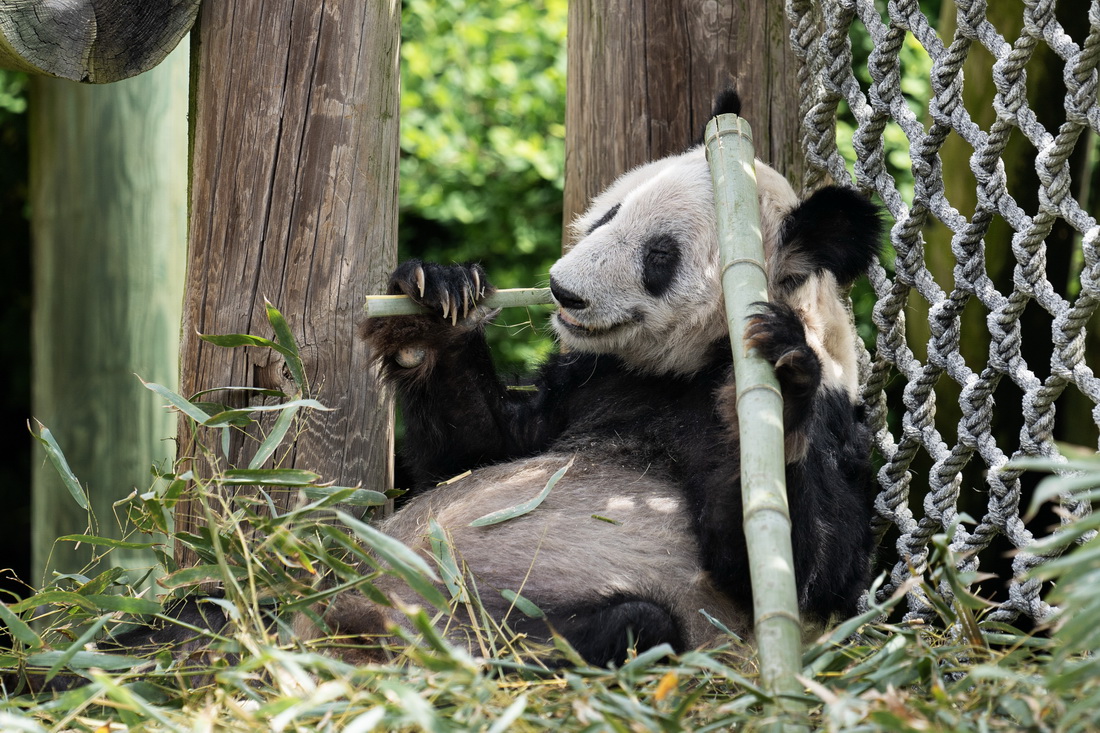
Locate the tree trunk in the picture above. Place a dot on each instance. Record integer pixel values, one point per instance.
(642, 79)
(108, 185)
(294, 199)
(91, 40)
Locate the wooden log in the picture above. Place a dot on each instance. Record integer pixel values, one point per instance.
(642, 79)
(108, 192)
(95, 41)
(294, 198)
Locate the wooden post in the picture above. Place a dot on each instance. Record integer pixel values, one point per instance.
(294, 199)
(642, 79)
(91, 40)
(108, 180)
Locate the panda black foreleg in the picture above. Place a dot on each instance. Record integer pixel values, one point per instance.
(779, 335)
(458, 414)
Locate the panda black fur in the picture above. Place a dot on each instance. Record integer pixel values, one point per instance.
(642, 396)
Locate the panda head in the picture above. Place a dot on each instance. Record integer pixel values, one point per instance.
(642, 273)
(642, 281)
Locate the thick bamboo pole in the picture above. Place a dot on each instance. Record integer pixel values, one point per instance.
(767, 520)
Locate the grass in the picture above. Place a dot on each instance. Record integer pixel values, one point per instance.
(867, 674)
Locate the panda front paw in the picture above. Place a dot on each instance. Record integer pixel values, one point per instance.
(451, 291)
(778, 334)
(409, 346)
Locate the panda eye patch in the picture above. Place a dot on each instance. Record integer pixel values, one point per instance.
(660, 261)
(604, 219)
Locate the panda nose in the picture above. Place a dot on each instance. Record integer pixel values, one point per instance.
(566, 298)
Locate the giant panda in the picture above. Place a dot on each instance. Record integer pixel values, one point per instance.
(643, 532)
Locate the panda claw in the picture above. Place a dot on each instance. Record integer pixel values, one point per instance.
(477, 282)
(420, 280)
(446, 303)
(787, 359)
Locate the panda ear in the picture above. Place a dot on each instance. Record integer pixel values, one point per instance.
(836, 229)
(726, 102)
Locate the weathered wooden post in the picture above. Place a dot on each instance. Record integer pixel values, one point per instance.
(294, 199)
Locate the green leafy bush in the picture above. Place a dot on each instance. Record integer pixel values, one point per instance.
(483, 146)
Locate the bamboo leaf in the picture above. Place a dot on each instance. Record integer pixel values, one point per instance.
(345, 495)
(445, 559)
(89, 539)
(199, 574)
(75, 647)
(125, 604)
(649, 657)
(1054, 487)
(85, 660)
(229, 416)
(290, 353)
(234, 340)
(57, 458)
(52, 597)
(288, 346)
(404, 561)
(18, 628)
(525, 606)
(258, 390)
(101, 582)
(177, 401)
(503, 515)
(275, 438)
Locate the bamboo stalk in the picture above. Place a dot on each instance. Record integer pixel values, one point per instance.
(403, 305)
(767, 521)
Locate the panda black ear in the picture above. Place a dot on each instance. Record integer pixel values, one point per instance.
(837, 229)
(727, 102)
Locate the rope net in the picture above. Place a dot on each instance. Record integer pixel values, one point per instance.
(982, 319)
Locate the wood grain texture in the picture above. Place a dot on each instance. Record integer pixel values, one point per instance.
(95, 41)
(643, 75)
(294, 199)
(108, 175)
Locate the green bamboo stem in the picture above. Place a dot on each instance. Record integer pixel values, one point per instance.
(767, 521)
(403, 305)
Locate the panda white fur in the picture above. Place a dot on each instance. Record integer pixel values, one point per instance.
(641, 398)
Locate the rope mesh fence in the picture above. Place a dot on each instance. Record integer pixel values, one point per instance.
(930, 469)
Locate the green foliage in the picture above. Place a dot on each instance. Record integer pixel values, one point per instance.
(13, 93)
(482, 145)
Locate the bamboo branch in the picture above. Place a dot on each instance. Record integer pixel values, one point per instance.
(767, 521)
(403, 305)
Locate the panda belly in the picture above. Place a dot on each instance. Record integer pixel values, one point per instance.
(609, 548)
